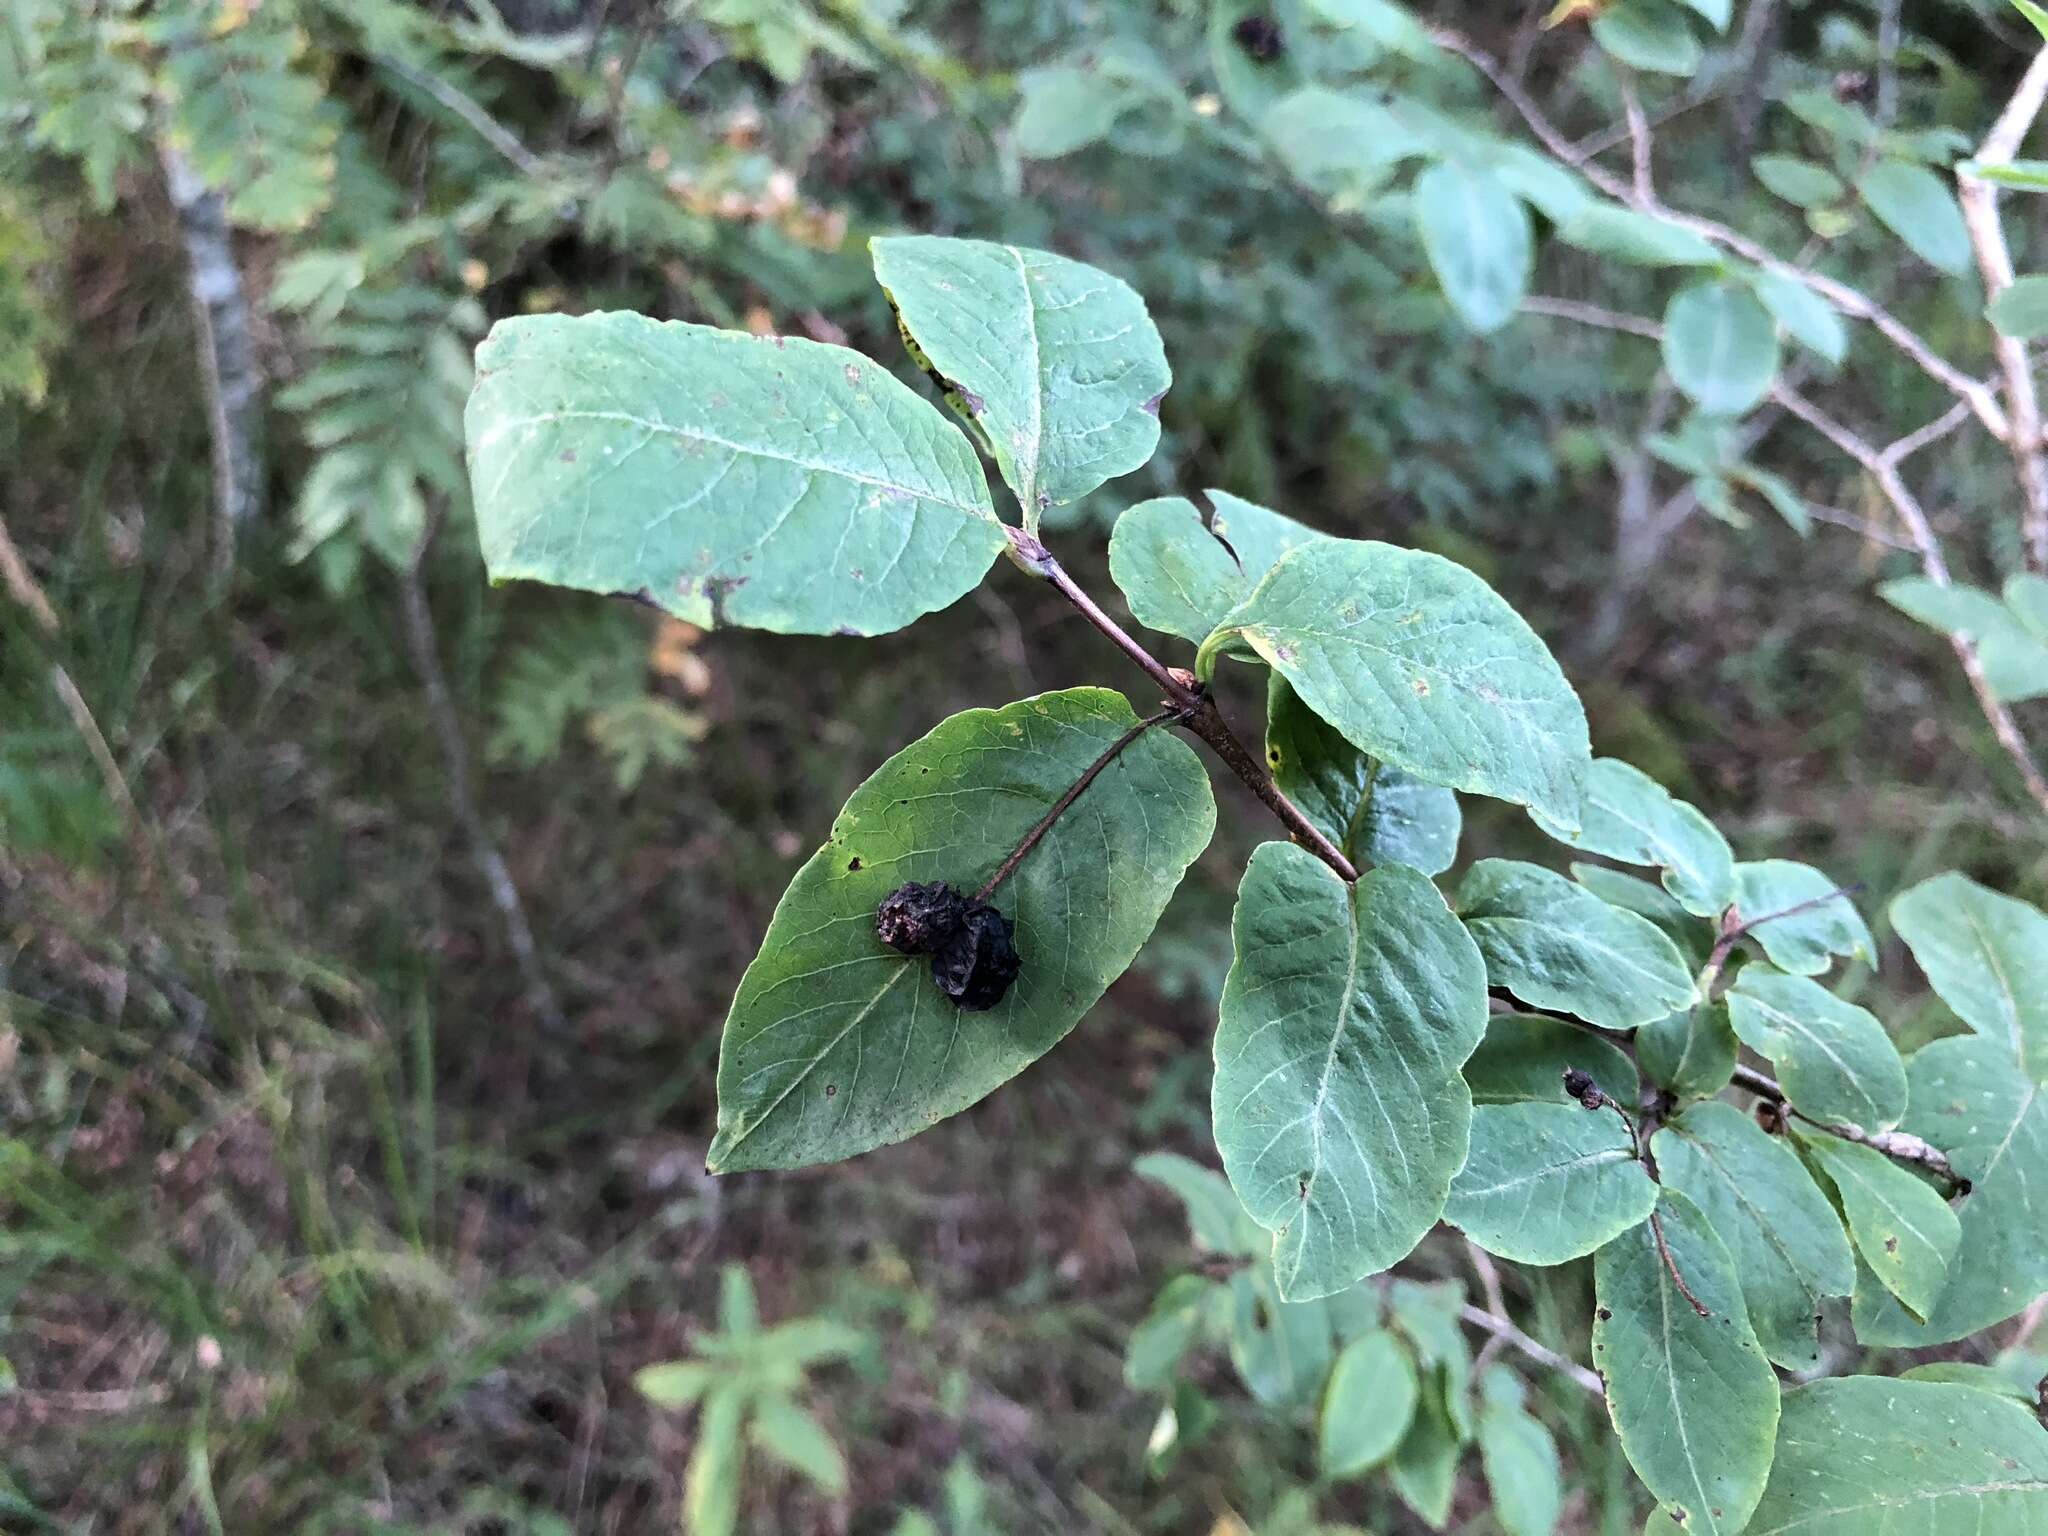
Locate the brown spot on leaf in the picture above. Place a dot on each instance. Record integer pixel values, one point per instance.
(1151, 407)
(831, 1090)
(1421, 687)
(854, 865)
(1891, 1245)
(568, 455)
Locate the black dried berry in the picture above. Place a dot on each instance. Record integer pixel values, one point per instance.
(977, 964)
(1260, 37)
(1580, 1085)
(916, 919)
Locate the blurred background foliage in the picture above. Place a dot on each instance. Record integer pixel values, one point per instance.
(315, 1219)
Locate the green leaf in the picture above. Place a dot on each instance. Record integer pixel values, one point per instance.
(674, 1384)
(1417, 662)
(1648, 34)
(1064, 108)
(1628, 815)
(711, 1491)
(1800, 918)
(1799, 182)
(1693, 936)
(1778, 491)
(739, 1314)
(1986, 956)
(1834, 1060)
(1376, 814)
(1057, 362)
(1178, 577)
(1424, 1471)
(792, 1437)
(1693, 1398)
(1692, 1052)
(2021, 311)
(1523, 1472)
(1868, 1456)
(1216, 1220)
(1807, 318)
(1979, 1378)
(1642, 239)
(1904, 1230)
(2027, 175)
(835, 1043)
(730, 479)
(1367, 1406)
(1539, 181)
(1337, 1102)
(2026, 598)
(1524, 1057)
(1169, 1330)
(1338, 142)
(2034, 14)
(1969, 1098)
(806, 1341)
(1918, 206)
(1721, 346)
(1545, 1183)
(1476, 235)
(1787, 1243)
(1430, 1314)
(1555, 945)
(2015, 658)
(1258, 535)
(1716, 12)
(1281, 1348)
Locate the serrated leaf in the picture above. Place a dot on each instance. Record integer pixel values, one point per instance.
(1721, 346)
(1628, 815)
(1693, 1398)
(1554, 944)
(1418, 663)
(1807, 318)
(1337, 1102)
(1787, 1243)
(1802, 183)
(791, 1436)
(1337, 142)
(1546, 1183)
(1215, 1218)
(1367, 1406)
(1834, 1060)
(1869, 1456)
(2021, 310)
(1799, 917)
(1904, 1230)
(1523, 1472)
(1477, 237)
(2015, 658)
(731, 479)
(1056, 361)
(1648, 34)
(1376, 814)
(1642, 239)
(1986, 956)
(1692, 1052)
(1919, 207)
(1525, 1055)
(835, 1043)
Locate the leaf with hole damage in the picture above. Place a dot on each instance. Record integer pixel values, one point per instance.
(1057, 362)
(1693, 1398)
(765, 482)
(1986, 955)
(1180, 575)
(1629, 816)
(1802, 920)
(836, 1043)
(1375, 813)
(1834, 1060)
(1418, 663)
(1904, 1230)
(1337, 1102)
(1546, 1183)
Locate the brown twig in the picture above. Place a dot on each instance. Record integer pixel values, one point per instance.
(1900, 1145)
(1542, 1354)
(1657, 1231)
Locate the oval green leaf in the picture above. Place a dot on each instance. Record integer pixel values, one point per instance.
(1628, 815)
(1904, 1230)
(1477, 237)
(1525, 1056)
(1546, 1183)
(1834, 1060)
(1986, 956)
(1918, 206)
(1800, 918)
(1692, 1052)
(1377, 814)
(1721, 346)
(1367, 1406)
(2021, 310)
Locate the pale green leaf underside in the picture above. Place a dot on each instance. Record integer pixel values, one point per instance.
(1375, 813)
(1554, 944)
(1367, 1405)
(1870, 1456)
(1477, 237)
(1905, 1232)
(1337, 1102)
(836, 1043)
(1721, 346)
(1693, 1398)
(1629, 816)
(1545, 1183)
(1807, 941)
(730, 479)
(1834, 1060)
(2014, 655)
(1057, 361)
(1417, 662)
(1788, 1245)
(1987, 957)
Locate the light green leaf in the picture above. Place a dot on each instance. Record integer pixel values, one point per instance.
(1800, 918)
(1904, 1230)
(792, 1437)
(1376, 814)
(1692, 1052)
(1545, 1183)
(1179, 578)
(1476, 235)
(2034, 14)
(1834, 1060)
(1693, 936)
(1969, 1098)
(806, 1341)
(1918, 206)
(1628, 815)
(1986, 956)
(1258, 535)
(1064, 108)
(2021, 311)
(1787, 1243)
(1417, 662)
(730, 479)
(835, 1043)
(1337, 142)
(1778, 491)
(1869, 1456)
(1169, 1330)
(1281, 1348)
(2027, 175)
(1642, 239)
(711, 1490)
(1367, 1406)
(674, 1384)
(1539, 181)
(1424, 1471)
(1648, 34)
(1430, 1314)
(1216, 1220)
(1807, 318)
(2026, 597)
(1523, 1472)
(1337, 1102)
(739, 1313)
(1057, 362)
(1721, 346)
(1799, 182)
(1524, 1057)
(2015, 658)
(1693, 1398)
(1556, 945)
(1980, 1378)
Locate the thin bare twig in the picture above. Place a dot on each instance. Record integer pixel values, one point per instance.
(488, 128)
(1901, 1145)
(1542, 1354)
(1591, 314)
(1641, 181)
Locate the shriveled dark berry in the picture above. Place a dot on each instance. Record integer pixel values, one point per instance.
(977, 964)
(916, 919)
(1260, 37)
(1580, 1085)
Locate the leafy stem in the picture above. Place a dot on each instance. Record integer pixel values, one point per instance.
(1592, 1097)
